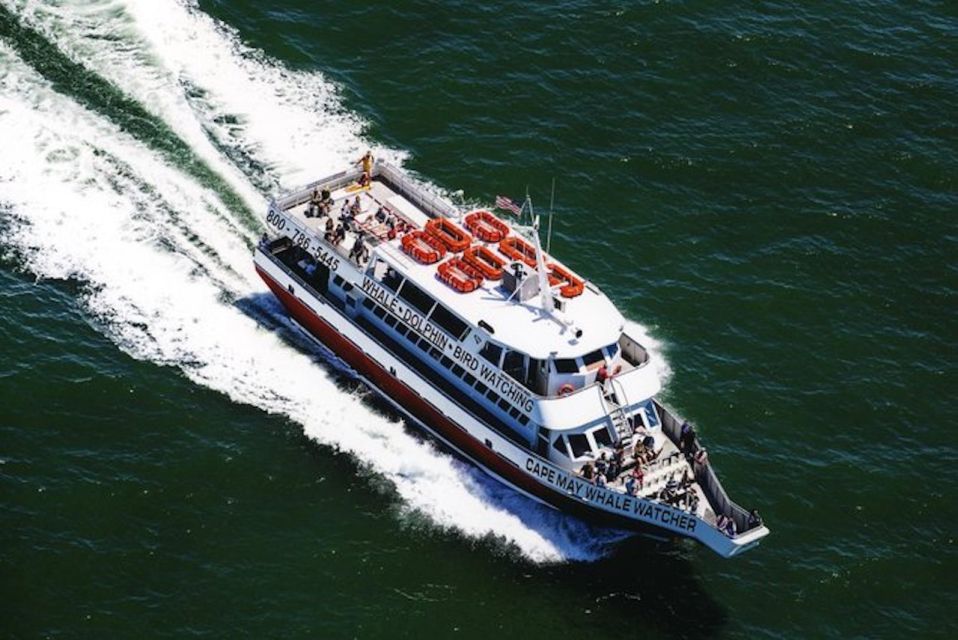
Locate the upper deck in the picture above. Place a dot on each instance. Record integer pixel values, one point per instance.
(584, 323)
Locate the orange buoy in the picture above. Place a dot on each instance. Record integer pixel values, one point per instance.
(456, 273)
(486, 226)
(485, 261)
(449, 233)
(423, 247)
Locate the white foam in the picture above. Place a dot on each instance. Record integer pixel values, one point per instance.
(283, 127)
(85, 201)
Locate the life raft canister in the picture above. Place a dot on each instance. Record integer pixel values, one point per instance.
(486, 226)
(423, 247)
(459, 275)
(449, 233)
(485, 261)
(574, 286)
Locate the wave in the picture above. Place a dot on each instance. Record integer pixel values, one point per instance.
(166, 263)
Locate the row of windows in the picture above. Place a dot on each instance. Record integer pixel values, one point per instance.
(427, 347)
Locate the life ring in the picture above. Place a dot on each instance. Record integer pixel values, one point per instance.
(485, 261)
(486, 226)
(566, 389)
(459, 275)
(449, 233)
(423, 247)
(574, 286)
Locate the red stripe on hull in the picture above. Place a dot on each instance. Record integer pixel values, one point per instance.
(429, 415)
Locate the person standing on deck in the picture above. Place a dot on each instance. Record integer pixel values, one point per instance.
(367, 162)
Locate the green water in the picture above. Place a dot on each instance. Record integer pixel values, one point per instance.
(770, 189)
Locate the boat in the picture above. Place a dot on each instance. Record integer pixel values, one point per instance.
(460, 321)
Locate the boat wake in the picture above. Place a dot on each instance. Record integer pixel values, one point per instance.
(165, 259)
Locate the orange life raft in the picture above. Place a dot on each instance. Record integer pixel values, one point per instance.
(449, 233)
(486, 226)
(459, 275)
(515, 248)
(574, 286)
(485, 261)
(423, 247)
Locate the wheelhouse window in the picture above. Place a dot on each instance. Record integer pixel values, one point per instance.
(559, 445)
(416, 297)
(391, 279)
(491, 352)
(566, 365)
(579, 444)
(449, 322)
(602, 437)
(593, 358)
(514, 364)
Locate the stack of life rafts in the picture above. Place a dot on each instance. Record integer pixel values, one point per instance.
(477, 262)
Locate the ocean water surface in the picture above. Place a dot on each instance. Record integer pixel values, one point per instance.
(767, 190)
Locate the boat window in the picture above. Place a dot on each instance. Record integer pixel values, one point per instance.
(491, 352)
(532, 372)
(379, 312)
(653, 419)
(481, 388)
(448, 322)
(503, 404)
(391, 320)
(559, 445)
(580, 445)
(514, 364)
(566, 365)
(470, 379)
(392, 279)
(612, 350)
(593, 358)
(416, 297)
(602, 437)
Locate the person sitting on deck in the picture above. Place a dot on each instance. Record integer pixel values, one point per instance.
(600, 480)
(326, 196)
(726, 525)
(638, 475)
(356, 207)
(602, 464)
(340, 234)
(754, 519)
(588, 472)
(381, 214)
(357, 251)
(630, 488)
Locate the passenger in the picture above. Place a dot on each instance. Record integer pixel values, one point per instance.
(602, 464)
(326, 197)
(701, 458)
(600, 480)
(754, 519)
(357, 207)
(630, 488)
(615, 464)
(264, 241)
(364, 180)
(602, 376)
(381, 214)
(588, 472)
(638, 475)
(687, 439)
(727, 526)
(367, 162)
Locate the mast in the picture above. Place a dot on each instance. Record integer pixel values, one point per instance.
(545, 292)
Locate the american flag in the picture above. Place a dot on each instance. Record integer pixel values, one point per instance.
(503, 202)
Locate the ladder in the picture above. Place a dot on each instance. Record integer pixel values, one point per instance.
(618, 417)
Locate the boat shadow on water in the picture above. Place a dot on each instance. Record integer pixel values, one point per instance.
(603, 572)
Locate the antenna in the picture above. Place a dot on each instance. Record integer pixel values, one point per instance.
(552, 199)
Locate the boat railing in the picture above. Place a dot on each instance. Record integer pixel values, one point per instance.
(429, 203)
(633, 352)
(705, 476)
